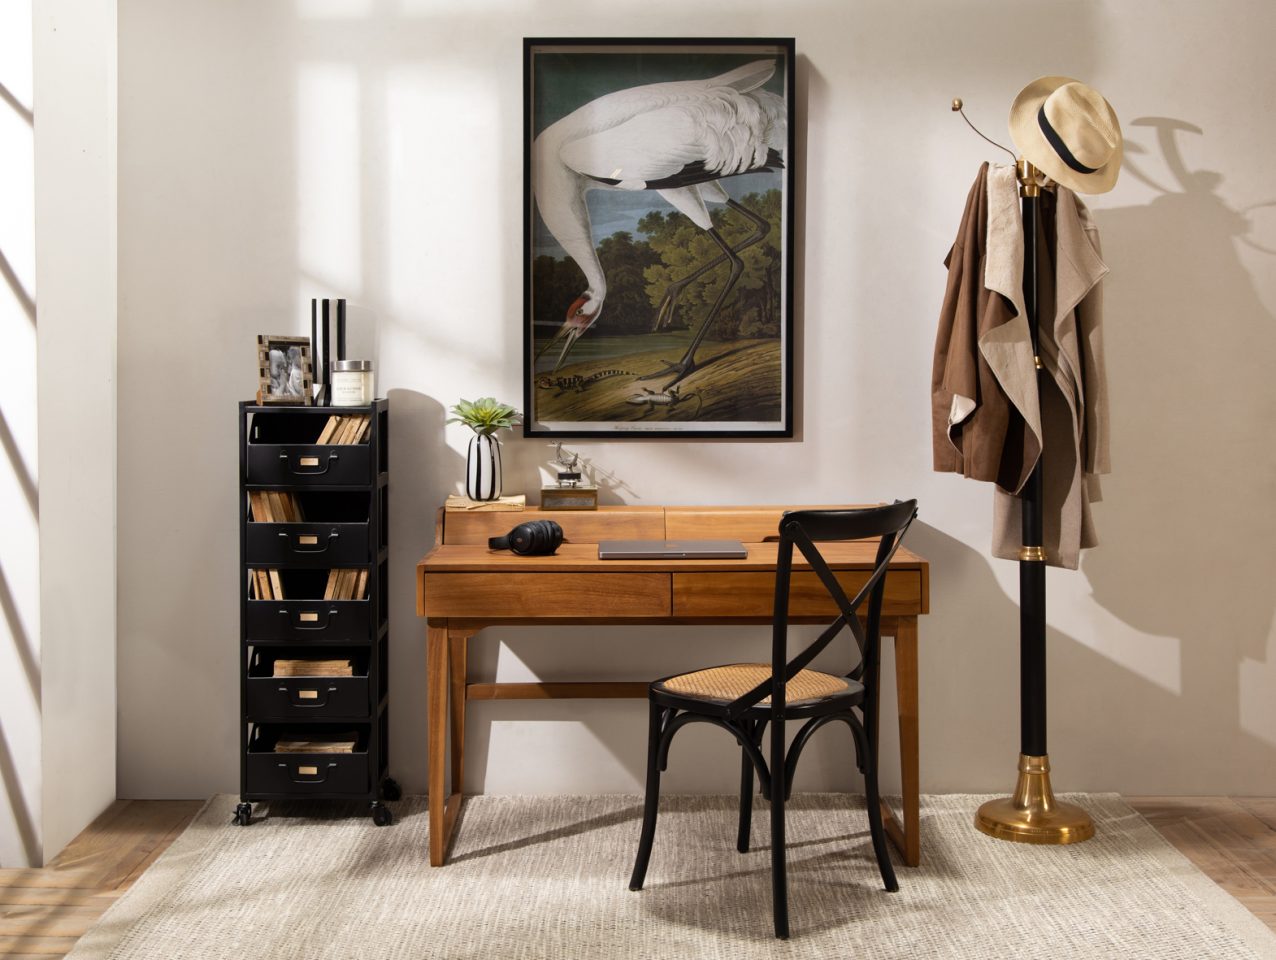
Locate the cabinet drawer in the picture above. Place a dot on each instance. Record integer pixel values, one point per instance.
(308, 698)
(308, 621)
(308, 544)
(305, 774)
(753, 594)
(550, 595)
(309, 464)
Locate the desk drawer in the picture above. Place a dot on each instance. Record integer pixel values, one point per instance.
(753, 594)
(549, 595)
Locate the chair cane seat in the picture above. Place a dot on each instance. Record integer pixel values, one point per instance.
(733, 680)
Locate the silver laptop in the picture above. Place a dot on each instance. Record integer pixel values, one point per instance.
(671, 550)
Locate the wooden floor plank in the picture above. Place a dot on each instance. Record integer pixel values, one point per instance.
(49, 879)
(1264, 808)
(42, 947)
(159, 845)
(45, 897)
(1227, 839)
(125, 837)
(48, 922)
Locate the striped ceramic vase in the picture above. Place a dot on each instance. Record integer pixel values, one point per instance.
(483, 468)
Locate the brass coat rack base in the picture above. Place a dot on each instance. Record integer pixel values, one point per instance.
(1033, 815)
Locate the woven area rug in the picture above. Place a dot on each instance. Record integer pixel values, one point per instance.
(547, 877)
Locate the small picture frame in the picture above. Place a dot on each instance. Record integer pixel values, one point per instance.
(284, 370)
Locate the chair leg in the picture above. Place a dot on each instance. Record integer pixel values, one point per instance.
(875, 826)
(651, 802)
(753, 728)
(779, 880)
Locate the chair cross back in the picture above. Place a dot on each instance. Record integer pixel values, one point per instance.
(802, 529)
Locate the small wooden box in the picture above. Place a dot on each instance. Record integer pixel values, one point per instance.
(569, 498)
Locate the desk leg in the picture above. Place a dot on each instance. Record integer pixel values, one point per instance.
(458, 649)
(908, 837)
(436, 666)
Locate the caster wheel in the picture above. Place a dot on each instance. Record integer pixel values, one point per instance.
(381, 815)
(243, 815)
(390, 790)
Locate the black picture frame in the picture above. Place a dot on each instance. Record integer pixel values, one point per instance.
(716, 357)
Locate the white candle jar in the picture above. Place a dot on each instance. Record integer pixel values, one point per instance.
(353, 383)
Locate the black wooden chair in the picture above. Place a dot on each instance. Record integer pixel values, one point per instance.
(744, 698)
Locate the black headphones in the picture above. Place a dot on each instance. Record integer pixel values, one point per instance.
(533, 538)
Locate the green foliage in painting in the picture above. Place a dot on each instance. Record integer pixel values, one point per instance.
(640, 270)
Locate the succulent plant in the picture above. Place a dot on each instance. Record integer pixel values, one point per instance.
(485, 415)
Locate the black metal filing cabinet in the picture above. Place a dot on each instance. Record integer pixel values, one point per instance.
(342, 491)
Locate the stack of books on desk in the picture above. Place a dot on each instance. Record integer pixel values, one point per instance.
(459, 504)
(313, 668)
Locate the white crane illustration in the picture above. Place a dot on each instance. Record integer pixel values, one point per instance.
(677, 138)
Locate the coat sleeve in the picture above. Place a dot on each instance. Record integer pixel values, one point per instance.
(955, 375)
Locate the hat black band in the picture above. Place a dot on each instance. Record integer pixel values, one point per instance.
(1060, 147)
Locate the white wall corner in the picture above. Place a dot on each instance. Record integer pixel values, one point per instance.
(75, 44)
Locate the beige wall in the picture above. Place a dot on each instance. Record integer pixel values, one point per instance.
(371, 149)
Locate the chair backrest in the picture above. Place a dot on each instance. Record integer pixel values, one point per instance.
(803, 529)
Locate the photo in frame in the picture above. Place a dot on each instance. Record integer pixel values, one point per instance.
(658, 231)
(283, 370)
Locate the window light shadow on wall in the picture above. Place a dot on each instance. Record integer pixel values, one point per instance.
(19, 487)
(1192, 457)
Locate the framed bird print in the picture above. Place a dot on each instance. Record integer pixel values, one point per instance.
(658, 231)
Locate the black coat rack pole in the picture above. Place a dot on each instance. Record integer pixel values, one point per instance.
(1032, 815)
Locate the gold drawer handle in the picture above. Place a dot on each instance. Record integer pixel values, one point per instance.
(307, 616)
(308, 462)
(307, 694)
(307, 771)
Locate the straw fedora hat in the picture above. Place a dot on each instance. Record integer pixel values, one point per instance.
(1068, 131)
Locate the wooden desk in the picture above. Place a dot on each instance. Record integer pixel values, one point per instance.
(463, 587)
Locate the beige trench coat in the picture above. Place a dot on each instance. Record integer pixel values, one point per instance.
(992, 417)
(1074, 416)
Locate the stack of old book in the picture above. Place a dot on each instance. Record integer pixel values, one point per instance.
(313, 668)
(272, 506)
(345, 429)
(317, 742)
(266, 585)
(275, 506)
(458, 504)
(346, 584)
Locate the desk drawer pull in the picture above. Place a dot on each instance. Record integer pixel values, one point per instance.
(308, 462)
(308, 616)
(307, 771)
(306, 694)
(307, 540)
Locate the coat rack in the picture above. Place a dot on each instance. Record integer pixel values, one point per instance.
(1031, 814)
